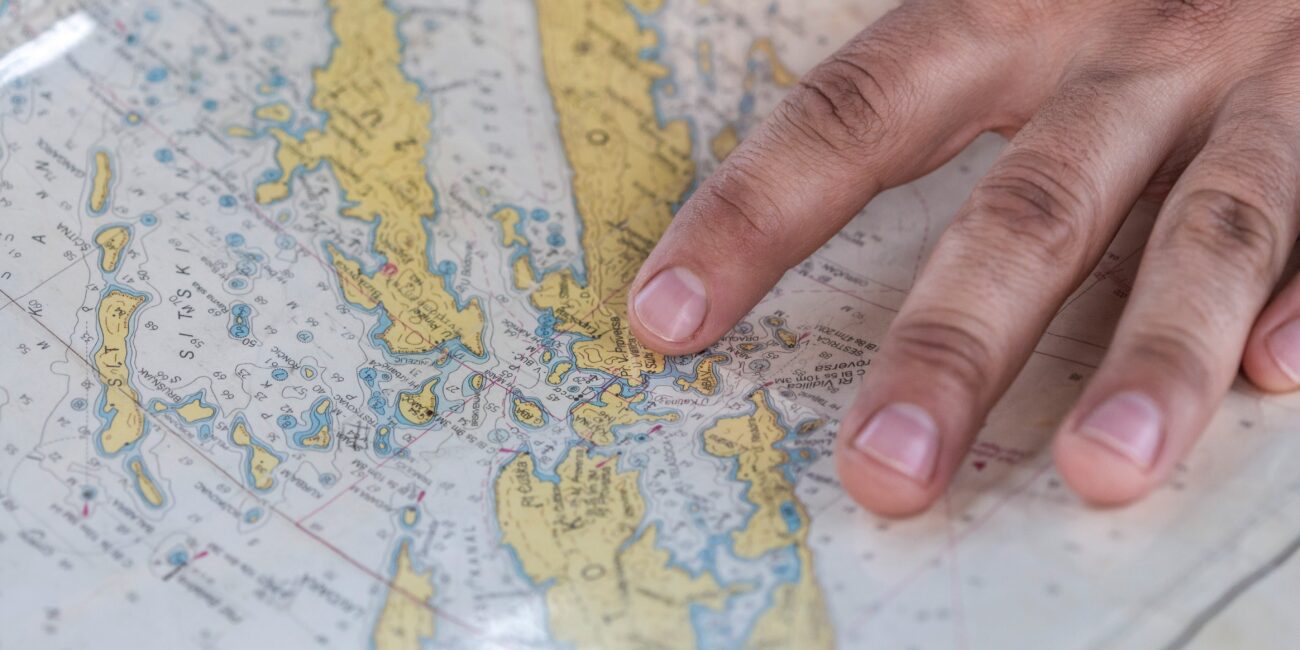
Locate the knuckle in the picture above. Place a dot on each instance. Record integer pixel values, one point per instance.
(947, 345)
(1193, 12)
(1173, 351)
(1225, 227)
(1028, 204)
(734, 204)
(843, 103)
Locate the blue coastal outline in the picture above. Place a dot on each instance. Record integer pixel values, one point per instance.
(253, 440)
(383, 445)
(240, 321)
(314, 420)
(646, 408)
(409, 542)
(114, 170)
(384, 321)
(518, 396)
(564, 376)
(652, 53)
(644, 22)
(106, 417)
(293, 114)
(173, 406)
(709, 82)
(436, 380)
(576, 267)
(299, 130)
(695, 372)
(733, 476)
(130, 236)
(135, 482)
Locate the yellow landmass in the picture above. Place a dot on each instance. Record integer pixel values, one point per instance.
(547, 355)
(781, 75)
(121, 403)
(195, 410)
(573, 536)
(406, 619)
(102, 181)
(724, 142)
(262, 462)
(319, 439)
(476, 381)
(527, 412)
(509, 219)
(375, 143)
(809, 426)
(143, 481)
(704, 56)
(797, 617)
(277, 112)
(595, 423)
(523, 273)
(787, 338)
(557, 373)
(419, 407)
(112, 243)
(237, 131)
(628, 171)
(410, 514)
(705, 381)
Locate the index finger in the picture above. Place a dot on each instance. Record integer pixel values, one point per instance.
(894, 103)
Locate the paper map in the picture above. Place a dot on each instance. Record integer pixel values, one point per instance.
(314, 335)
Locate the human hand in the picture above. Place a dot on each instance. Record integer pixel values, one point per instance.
(1195, 101)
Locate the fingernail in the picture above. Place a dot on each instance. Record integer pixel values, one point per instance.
(1284, 345)
(672, 304)
(1129, 423)
(904, 437)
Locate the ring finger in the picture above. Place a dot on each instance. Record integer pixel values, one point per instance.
(1218, 247)
(1034, 226)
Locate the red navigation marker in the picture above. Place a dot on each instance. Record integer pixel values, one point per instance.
(85, 509)
(389, 269)
(655, 428)
(421, 497)
(199, 556)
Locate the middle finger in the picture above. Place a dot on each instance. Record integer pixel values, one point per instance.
(1023, 241)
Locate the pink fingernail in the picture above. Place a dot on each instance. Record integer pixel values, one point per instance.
(672, 304)
(904, 437)
(1284, 345)
(1129, 423)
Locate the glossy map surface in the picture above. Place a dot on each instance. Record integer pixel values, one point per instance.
(314, 335)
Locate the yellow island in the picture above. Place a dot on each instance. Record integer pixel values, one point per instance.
(124, 419)
(261, 461)
(375, 144)
(607, 586)
(629, 170)
(797, 616)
